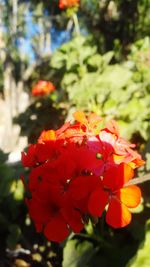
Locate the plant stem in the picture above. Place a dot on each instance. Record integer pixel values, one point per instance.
(76, 24)
(138, 180)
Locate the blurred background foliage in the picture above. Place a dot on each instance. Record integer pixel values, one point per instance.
(106, 69)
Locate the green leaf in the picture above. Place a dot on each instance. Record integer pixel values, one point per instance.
(107, 58)
(95, 61)
(110, 107)
(3, 157)
(77, 254)
(58, 60)
(6, 174)
(69, 78)
(147, 161)
(116, 76)
(14, 235)
(19, 191)
(142, 259)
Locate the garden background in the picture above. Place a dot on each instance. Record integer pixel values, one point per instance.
(98, 58)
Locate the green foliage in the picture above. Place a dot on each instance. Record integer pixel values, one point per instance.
(11, 197)
(118, 22)
(13, 236)
(148, 161)
(77, 254)
(142, 258)
(93, 83)
(104, 247)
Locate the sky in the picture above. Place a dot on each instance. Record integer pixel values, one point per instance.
(58, 37)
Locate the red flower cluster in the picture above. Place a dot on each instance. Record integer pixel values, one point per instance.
(42, 88)
(67, 3)
(76, 173)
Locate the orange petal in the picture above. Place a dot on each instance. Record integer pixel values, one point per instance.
(130, 196)
(94, 120)
(137, 163)
(118, 159)
(80, 117)
(118, 215)
(112, 126)
(47, 136)
(128, 172)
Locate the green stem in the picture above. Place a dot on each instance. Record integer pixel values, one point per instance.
(138, 180)
(76, 24)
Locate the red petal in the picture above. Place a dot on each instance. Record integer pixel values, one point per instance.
(39, 211)
(62, 129)
(34, 177)
(56, 230)
(117, 176)
(118, 215)
(89, 163)
(44, 151)
(97, 202)
(82, 186)
(72, 216)
(39, 227)
(28, 159)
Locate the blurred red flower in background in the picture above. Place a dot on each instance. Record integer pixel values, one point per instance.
(42, 88)
(68, 3)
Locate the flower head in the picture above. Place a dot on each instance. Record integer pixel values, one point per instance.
(68, 3)
(43, 88)
(116, 195)
(77, 172)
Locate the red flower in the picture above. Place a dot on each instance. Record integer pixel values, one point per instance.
(46, 214)
(118, 197)
(81, 130)
(29, 159)
(123, 151)
(42, 88)
(51, 207)
(67, 3)
(90, 123)
(75, 172)
(38, 154)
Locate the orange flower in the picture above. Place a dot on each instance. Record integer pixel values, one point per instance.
(118, 198)
(42, 88)
(68, 3)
